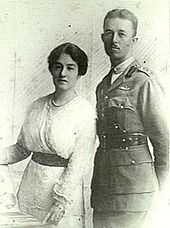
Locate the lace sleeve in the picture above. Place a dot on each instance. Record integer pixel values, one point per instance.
(79, 162)
(13, 154)
(16, 152)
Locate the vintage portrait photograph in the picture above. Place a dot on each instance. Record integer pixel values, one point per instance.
(84, 114)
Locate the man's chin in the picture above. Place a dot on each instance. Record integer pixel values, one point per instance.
(115, 56)
(113, 53)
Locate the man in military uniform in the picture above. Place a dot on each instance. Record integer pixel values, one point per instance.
(126, 174)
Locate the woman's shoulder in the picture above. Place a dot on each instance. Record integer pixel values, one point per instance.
(39, 102)
(85, 108)
(43, 98)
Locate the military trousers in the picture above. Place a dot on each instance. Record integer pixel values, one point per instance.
(119, 219)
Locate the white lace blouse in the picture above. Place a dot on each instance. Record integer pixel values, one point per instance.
(68, 131)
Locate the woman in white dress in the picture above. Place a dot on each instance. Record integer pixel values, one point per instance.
(59, 132)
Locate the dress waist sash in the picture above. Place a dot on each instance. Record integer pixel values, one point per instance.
(49, 159)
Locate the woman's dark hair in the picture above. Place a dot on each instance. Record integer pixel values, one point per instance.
(76, 53)
(124, 14)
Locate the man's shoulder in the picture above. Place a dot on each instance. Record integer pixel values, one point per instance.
(139, 74)
(139, 70)
(144, 71)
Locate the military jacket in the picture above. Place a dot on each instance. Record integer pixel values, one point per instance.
(126, 177)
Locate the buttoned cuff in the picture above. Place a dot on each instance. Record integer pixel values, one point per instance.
(60, 197)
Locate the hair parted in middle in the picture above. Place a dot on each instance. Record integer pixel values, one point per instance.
(75, 52)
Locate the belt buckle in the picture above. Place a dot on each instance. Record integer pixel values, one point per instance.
(125, 143)
(124, 147)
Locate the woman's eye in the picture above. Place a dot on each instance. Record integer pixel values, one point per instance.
(70, 68)
(56, 67)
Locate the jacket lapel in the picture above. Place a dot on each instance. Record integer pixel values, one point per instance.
(121, 78)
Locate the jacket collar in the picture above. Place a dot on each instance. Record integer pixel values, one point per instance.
(121, 78)
(120, 68)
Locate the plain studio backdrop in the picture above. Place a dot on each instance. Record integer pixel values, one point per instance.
(29, 30)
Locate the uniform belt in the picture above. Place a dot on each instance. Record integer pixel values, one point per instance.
(49, 159)
(123, 141)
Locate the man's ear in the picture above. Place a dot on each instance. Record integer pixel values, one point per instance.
(135, 39)
(102, 38)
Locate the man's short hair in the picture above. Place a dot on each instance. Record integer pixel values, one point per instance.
(124, 14)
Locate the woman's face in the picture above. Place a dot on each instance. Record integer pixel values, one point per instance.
(65, 72)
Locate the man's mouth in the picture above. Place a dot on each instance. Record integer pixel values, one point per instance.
(115, 47)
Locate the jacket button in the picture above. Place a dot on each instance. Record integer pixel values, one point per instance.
(133, 161)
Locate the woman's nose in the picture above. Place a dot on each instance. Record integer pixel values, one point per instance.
(63, 72)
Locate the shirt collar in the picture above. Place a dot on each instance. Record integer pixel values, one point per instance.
(122, 66)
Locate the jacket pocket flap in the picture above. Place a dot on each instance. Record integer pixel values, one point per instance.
(120, 102)
(137, 155)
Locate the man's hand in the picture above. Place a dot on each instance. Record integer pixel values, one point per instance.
(55, 213)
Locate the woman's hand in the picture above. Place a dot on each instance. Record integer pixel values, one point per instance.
(7, 197)
(55, 213)
(7, 201)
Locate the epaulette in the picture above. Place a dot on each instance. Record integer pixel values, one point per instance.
(144, 70)
(131, 71)
(137, 68)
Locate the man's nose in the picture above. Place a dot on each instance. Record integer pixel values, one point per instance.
(115, 37)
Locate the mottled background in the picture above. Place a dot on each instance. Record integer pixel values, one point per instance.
(30, 29)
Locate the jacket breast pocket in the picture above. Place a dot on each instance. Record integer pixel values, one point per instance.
(122, 111)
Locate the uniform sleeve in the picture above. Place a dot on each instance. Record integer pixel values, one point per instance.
(65, 190)
(153, 112)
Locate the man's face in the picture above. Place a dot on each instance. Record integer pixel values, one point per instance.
(118, 38)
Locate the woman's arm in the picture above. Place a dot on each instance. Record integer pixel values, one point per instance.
(13, 154)
(9, 155)
(64, 191)
(79, 163)
(7, 197)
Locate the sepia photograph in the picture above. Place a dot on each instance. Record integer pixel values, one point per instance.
(84, 115)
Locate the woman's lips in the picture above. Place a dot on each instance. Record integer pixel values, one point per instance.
(62, 80)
